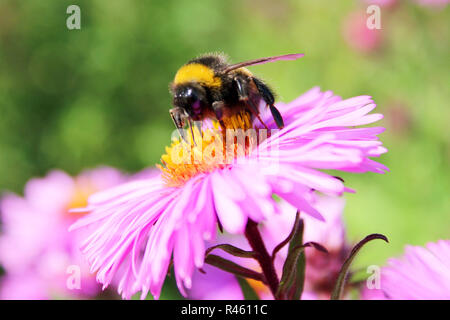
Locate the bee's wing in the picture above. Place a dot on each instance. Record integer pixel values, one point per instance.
(293, 56)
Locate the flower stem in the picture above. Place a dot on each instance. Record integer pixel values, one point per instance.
(262, 256)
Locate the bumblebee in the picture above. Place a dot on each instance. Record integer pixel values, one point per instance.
(210, 87)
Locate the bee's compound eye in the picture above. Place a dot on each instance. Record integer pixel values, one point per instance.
(188, 92)
(185, 93)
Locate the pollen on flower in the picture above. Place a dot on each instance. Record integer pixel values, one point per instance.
(206, 149)
(241, 120)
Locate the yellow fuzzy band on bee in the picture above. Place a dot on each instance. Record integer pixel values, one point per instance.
(198, 73)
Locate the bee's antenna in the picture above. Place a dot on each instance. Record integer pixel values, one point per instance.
(254, 62)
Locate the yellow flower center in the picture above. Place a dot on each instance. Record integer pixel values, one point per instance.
(208, 149)
(82, 191)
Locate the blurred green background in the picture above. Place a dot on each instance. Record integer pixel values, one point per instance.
(73, 99)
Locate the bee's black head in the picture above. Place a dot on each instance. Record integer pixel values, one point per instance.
(190, 97)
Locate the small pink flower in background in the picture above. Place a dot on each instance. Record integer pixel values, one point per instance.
(401, 120)
(358, 36)
(135, 228)
(422, 273)
(36, 248)
(321, 269)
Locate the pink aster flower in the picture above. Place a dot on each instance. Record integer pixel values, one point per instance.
(422, 273)
(321, 269)
(137, 228)
(36, 250)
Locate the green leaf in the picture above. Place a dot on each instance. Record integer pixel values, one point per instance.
(234, 268)
(289, 237)
(235, 251)
(297, 237)
(290, 265)
(297, 289)
(316, 246)
(289, 271)
(340, 282)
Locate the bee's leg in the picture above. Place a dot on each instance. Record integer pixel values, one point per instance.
(219, 109)
(277, 116)
(192, 131)
(178, 116)
(268, 98)
(242, 88)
